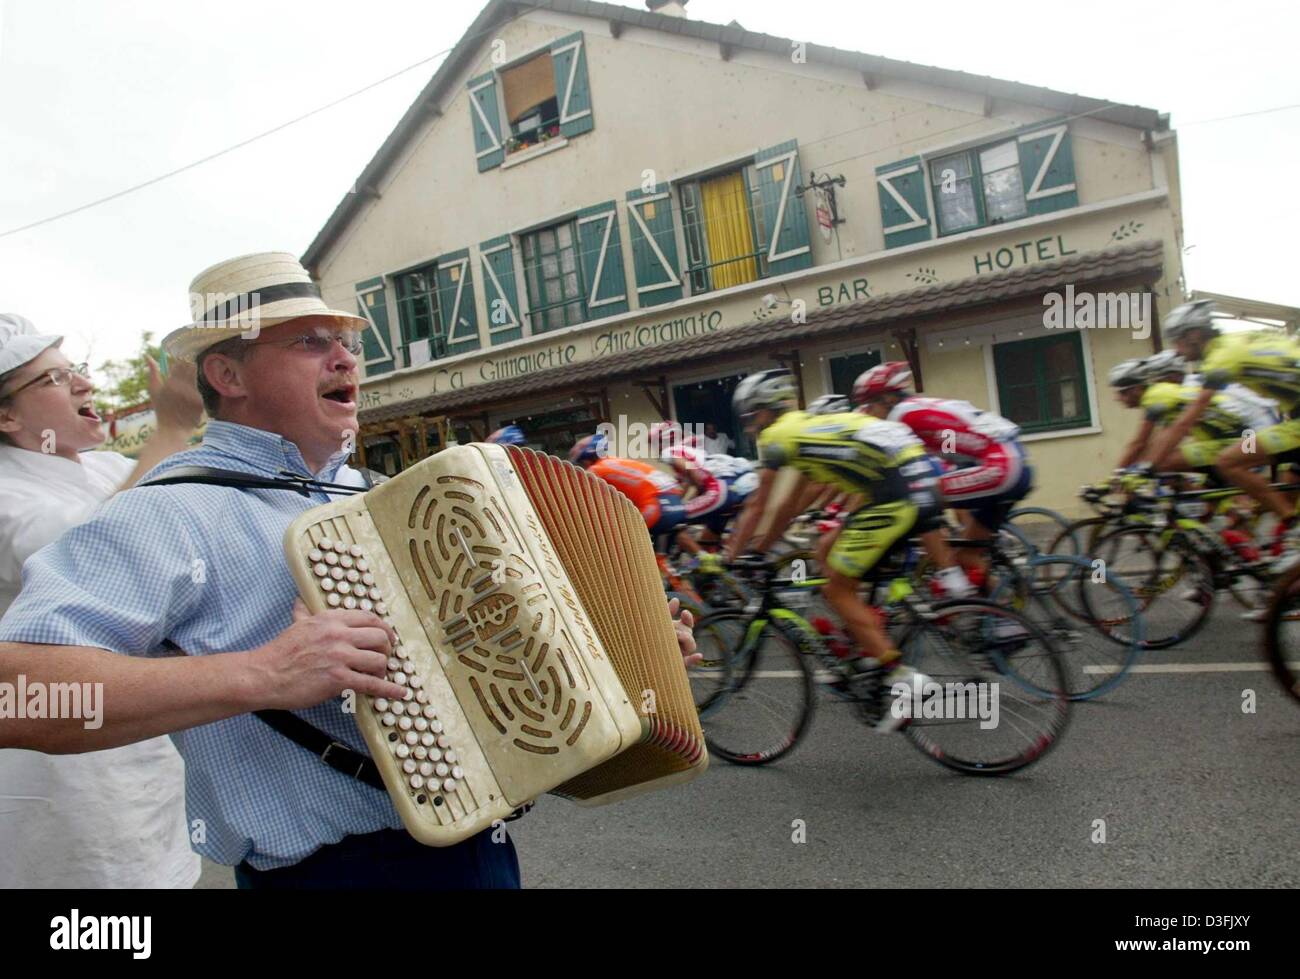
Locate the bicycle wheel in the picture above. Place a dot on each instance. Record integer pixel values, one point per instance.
(994, 700)
(1079, 538)
(717, 637)
(768, 702)
(1042, 527)
(1172, 582)
(1282, 632)
(1092, 618)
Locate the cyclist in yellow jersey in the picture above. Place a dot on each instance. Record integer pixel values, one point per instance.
(1155, 384)
(1267, 364)
(881, 461)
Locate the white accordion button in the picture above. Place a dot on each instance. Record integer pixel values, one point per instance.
(436, 727)
(420, 752)
(403, 751)
(320, 569)
(327, 584)
(368, 579)
(443, 741)
(425, 739)
(450, 756)
(381, 608)
(394, 664)
(326, 544)
(365, 605)
(349, 602)
(315, 554)
(399, 678)
(353, 577)
(412, 738)
(405, 723)
(443, 769)
(336, 574)
(413, 709)
(416, 682)
(435, 755)
(458, 772)
(355, 550)
(409, 766)
(343, 588)
(449, 785)
(408, 665)
(417, 781)
(389, 720)
(421, 696)
(381, 704)
(421, 724)
(345, 561)
(430, 711)
(333, 600)
(363, 565)
(374, 593)
(331, 558)
(426, 768)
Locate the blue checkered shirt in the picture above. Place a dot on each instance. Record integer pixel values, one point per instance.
(203, 567)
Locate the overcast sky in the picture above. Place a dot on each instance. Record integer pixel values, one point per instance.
(96, 96)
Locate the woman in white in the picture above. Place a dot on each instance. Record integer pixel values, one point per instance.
(111, 818)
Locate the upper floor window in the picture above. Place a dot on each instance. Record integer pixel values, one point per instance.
(417, 313)
(746, 223)
(978, 187)
(532, 109)
(554, 277)
(1022, 175)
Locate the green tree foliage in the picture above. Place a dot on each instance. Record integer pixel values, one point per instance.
(126, 382)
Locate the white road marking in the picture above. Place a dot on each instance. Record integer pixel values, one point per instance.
(1189, 668)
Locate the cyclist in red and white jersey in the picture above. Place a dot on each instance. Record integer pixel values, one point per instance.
(991, 471)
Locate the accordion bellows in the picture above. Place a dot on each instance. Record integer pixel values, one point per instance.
(535, 643)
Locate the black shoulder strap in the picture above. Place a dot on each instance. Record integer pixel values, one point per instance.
(242, 480)
(338, 756)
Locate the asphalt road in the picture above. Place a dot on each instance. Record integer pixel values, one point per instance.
(1194, 792)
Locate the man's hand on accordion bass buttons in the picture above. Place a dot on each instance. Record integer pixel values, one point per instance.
(320, 655)
(684, 623)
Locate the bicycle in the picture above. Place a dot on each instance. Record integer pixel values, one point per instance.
(1280, 645)
(770, 659)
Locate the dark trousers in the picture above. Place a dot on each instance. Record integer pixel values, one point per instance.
(392, 860)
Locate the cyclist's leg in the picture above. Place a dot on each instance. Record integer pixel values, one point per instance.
(866, 536)
(1238, 462)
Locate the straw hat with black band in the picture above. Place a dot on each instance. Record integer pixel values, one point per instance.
(243, 296)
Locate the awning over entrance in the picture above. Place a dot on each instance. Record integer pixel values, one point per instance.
(900, 312)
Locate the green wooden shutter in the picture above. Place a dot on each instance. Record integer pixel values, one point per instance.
(372, 302)
(1047, 169)
(572, 90)
(601, 257)
(785, 219)
(654, 245)
(499, 290)
(456, 302)
(904, 202)
(486, 118)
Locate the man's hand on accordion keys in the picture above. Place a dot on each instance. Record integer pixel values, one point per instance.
(321, 655)
(684, 623)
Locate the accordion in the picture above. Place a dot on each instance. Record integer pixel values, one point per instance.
(534, 640)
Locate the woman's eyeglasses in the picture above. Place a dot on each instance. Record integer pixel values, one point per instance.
(56, 376)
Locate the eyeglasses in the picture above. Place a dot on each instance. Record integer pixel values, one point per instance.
(55, 376)
(318, 342)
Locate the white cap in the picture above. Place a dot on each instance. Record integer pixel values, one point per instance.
(20, 343)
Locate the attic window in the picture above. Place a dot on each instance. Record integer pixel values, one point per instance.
(532, 108)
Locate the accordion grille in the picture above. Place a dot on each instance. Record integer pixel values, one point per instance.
(600, 538)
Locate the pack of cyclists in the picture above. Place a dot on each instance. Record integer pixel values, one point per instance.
(887, 462)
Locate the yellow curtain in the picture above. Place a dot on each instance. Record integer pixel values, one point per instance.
(727, 227)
